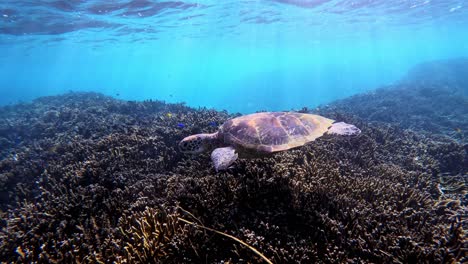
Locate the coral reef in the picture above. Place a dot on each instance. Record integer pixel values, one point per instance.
(152, 236)
(432, 99)
(452, 74)
(90, 179)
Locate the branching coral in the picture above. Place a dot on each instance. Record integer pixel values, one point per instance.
(156, 236)
(86, 178)
(152, 236)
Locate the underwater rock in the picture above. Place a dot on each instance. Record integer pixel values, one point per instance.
(101, 180)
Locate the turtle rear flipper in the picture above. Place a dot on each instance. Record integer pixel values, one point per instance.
(344, 129)
(223, 157)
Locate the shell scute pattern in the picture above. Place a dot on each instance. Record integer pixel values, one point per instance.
(240, 132)
(271, 132)
(293, 126)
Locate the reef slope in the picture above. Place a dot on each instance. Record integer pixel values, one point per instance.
(88, 178)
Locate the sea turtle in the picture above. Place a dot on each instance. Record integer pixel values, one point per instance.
(258, 134)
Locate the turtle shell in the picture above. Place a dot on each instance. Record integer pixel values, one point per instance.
(274, 131)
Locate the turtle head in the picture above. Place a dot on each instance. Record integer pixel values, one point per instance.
(199, 143)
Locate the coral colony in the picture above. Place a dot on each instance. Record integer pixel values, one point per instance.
(91, 179)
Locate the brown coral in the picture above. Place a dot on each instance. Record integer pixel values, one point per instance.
(87, 178)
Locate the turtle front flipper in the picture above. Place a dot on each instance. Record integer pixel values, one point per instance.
(223, 157)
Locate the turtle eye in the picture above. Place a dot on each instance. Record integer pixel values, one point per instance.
(183, 145)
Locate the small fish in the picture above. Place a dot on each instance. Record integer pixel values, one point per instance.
(169, 115)
(458, 130)
(117, 94)
(180, 125)
(213, 124)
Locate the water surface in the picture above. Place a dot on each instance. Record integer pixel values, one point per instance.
(235, 55)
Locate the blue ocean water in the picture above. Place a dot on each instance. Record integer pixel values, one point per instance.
(240, 56)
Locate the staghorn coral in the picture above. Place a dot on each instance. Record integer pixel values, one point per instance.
(153, 236)
(311, 194)
(84, 177)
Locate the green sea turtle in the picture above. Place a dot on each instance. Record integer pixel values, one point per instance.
(256, 135)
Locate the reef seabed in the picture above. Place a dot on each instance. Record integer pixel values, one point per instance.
(87, 178)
